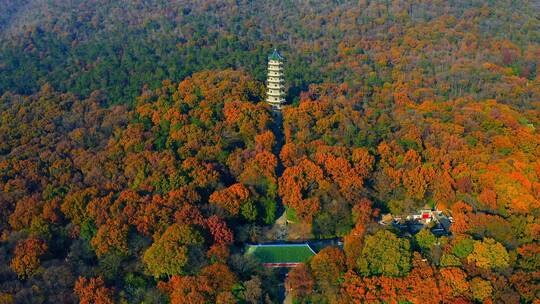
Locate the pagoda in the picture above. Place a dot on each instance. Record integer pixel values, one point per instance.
(275, 87)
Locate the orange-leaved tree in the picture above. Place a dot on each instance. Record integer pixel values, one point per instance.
(27, 254)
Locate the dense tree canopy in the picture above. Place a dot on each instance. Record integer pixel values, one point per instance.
(169, 254)
(384, 254)
(138, 157)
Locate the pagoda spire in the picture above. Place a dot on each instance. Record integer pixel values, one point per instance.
(275, 86)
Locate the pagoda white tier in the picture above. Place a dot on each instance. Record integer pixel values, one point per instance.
(275, 86)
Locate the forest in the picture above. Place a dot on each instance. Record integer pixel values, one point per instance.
(138, 156)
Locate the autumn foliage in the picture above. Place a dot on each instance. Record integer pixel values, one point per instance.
(138, 157)
(26, 260)
(93, 291)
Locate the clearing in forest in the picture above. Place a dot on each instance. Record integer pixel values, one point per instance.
(272, 255)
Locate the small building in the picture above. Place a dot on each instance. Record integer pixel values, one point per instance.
(425, 216)
(280, 255)
(412, 223)
(275, 86)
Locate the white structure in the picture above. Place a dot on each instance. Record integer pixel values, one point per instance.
(275, 87)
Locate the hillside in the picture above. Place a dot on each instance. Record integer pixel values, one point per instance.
(138, 159)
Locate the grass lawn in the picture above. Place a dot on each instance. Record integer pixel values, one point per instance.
(282, 253)
(291, 215)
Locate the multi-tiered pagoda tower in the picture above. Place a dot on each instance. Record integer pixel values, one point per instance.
(275, 87)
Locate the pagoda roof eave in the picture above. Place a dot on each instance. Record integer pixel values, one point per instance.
(276, 56)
